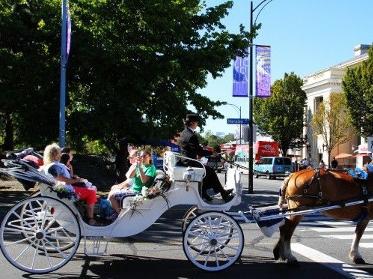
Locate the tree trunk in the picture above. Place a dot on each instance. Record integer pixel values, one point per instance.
(9, 130)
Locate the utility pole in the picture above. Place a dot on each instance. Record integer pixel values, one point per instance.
(251, 91)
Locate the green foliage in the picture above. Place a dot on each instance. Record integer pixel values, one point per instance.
(29, 51)
(134, 68)
(358, 88)
(281, 115)
(94, 147)
(332, 121)
(212, 140)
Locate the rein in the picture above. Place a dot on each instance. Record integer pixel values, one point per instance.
(365, 195)
(307, 187)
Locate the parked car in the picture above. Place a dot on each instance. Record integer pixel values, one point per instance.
(272, 167)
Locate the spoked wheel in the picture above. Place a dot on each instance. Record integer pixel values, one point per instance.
(188, 216)
(35, 228)
(27, 216)
(213, 241)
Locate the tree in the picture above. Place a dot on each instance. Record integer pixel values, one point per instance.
(134, 70)
(358, 88)
(150, 64)
(29, 51)
(281, 115)
(332, 121)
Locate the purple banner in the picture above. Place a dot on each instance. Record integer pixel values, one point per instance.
(240, 77)
(263, 71)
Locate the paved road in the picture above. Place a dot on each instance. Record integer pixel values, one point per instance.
(321, 246)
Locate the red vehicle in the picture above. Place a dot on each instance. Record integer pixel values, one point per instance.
(261, 149)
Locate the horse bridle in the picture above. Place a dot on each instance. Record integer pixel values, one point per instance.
(319, 197)
(315, 178)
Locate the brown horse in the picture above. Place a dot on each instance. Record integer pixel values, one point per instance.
(311, 188)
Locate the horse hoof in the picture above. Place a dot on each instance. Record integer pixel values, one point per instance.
(276, 253)
(359, 261)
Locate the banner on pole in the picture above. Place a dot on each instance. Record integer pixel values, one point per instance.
(263, 71)
(240, 77)
(68, 33)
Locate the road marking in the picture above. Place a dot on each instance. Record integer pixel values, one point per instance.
(366, 245)
(346, 236)
(342, 268)
(334, 230)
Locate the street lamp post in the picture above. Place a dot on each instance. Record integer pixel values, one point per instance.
(239, 109)
(251, 95)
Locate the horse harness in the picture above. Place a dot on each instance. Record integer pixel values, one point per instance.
(315, 179)
(319, 196)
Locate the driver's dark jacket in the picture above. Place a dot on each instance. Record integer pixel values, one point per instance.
(189, 144)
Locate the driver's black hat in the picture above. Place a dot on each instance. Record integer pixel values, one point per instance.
(191, 118)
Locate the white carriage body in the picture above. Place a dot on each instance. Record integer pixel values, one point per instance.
(135, 219)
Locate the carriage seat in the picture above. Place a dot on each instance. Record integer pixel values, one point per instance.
(178, 173)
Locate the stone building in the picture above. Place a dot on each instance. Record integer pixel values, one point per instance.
(318, 87)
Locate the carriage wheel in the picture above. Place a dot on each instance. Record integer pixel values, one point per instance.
(35, 227)
(213, 241)
(188, 216)
(27, 219)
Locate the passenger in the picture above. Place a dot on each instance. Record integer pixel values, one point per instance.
(53, 166)
(141, 173)
(129, 174)
(190, 148)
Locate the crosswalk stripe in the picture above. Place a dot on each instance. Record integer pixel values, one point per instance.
(339, 229)
(330, 262)
(366, 245)
(346, 236)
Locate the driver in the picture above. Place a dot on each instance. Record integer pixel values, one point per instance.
(189, 144)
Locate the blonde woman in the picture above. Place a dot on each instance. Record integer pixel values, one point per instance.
(52, 166)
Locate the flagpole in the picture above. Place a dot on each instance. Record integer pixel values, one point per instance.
(63, 73)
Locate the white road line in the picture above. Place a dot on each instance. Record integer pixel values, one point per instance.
(339, 229)
(342, 268)
(366, 245)
(346, 236)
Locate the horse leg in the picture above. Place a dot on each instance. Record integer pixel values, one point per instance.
(282, 249)
(354, 251)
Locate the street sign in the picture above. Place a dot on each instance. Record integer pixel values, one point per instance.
(370, 144)
(243, 121)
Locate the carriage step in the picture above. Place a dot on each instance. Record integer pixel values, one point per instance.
(95, 246)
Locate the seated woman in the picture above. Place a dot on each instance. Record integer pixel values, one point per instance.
(141, 173)
(52, 165)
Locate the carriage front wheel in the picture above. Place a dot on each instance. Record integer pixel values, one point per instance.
(34, 228)
(213, 241)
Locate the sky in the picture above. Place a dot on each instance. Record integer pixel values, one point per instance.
(305, 36)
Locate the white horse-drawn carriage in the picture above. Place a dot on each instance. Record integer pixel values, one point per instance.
(42, 233)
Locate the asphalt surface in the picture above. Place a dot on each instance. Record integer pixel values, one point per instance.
(158, 252)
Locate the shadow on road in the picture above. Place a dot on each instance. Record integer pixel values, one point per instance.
(121, 266)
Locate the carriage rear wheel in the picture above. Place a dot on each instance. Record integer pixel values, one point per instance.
(27, 217)
(213, 241)
(35, 228)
